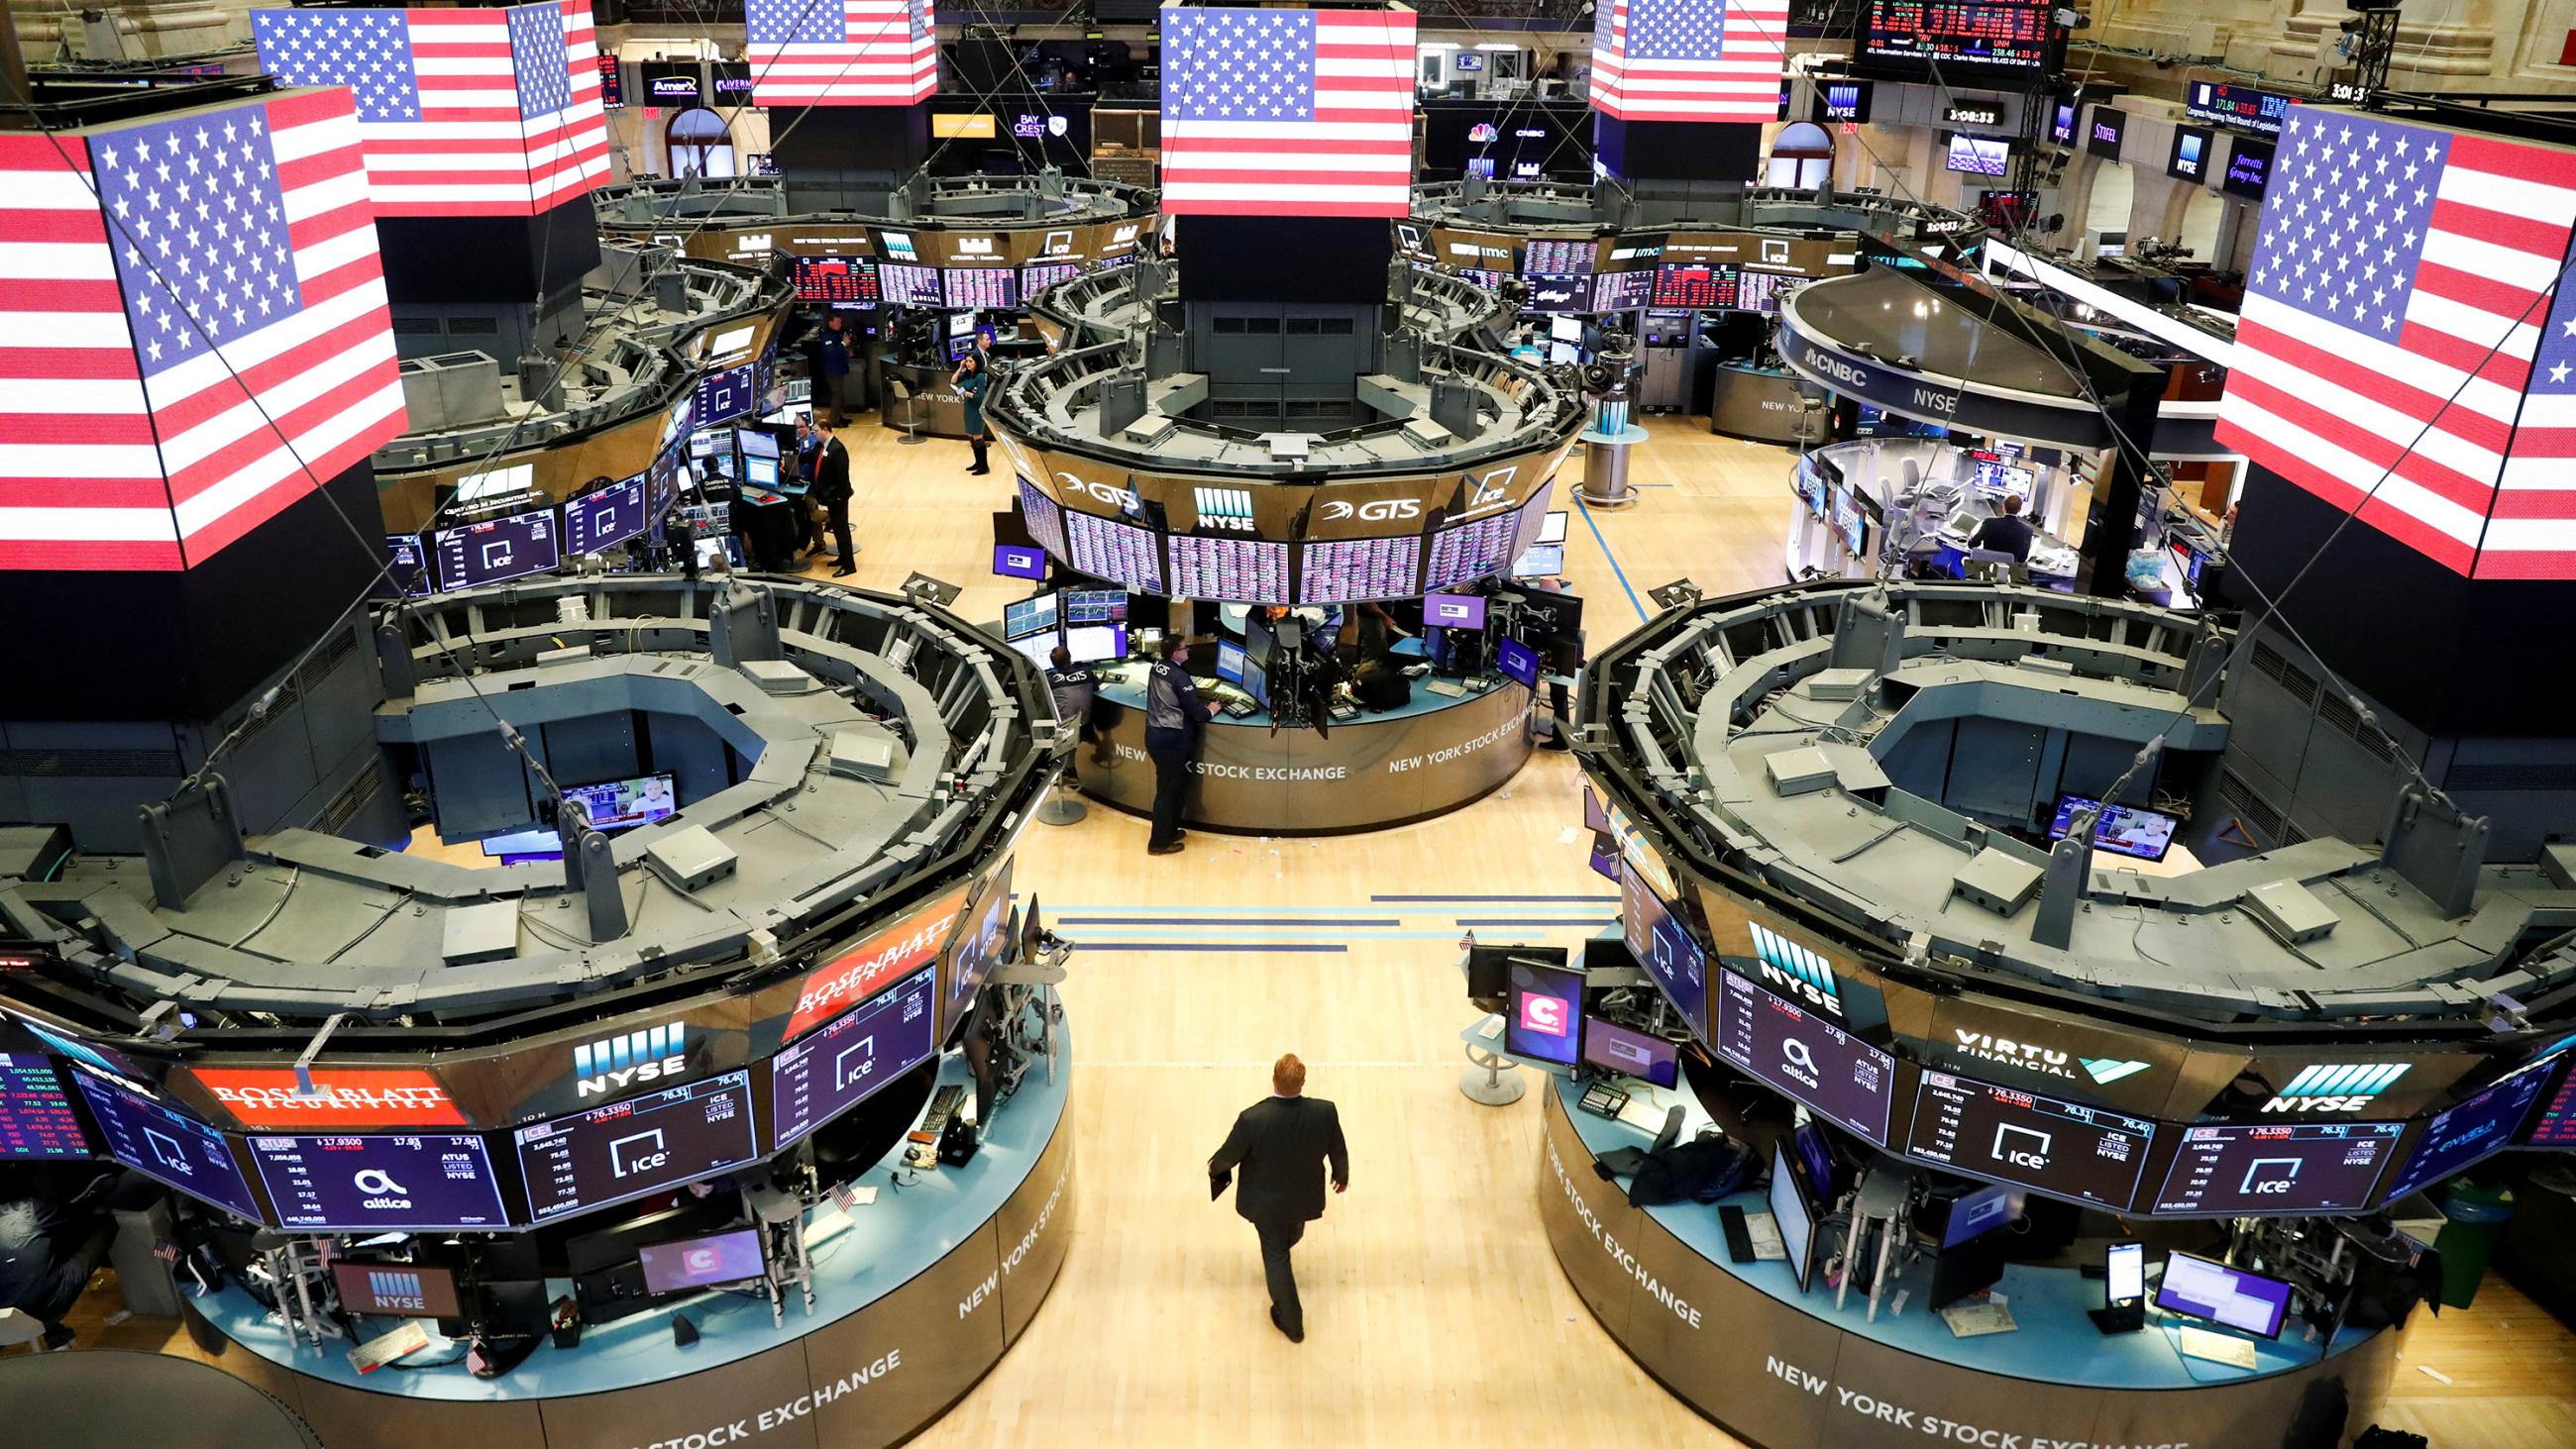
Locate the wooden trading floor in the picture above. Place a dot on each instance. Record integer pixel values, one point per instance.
(1436, 1313)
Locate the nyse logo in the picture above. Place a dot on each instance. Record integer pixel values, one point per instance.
(1384, 510)
(397, 1292)
(619, 1062)
(2336, 1087)
(1119, 498)
(899, 246)
(1797, 972)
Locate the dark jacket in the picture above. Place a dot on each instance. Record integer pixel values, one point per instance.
(970, 391)
(1282, 1146)
(831, 473)
(2004, 533)
(833, 350)
(1173, 709)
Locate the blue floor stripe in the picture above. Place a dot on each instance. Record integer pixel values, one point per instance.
(1208, 910)
(1320, 946)
(1480, 900)
(1222, 922)
(1615, 571)
(1526, 921)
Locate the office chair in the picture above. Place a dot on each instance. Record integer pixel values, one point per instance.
(901, 391)
(1980, 563)
(19, 1326)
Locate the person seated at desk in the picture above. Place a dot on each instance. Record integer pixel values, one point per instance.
(54, 1233)
(1076, 691)
(1379, 684)
(2006, 532)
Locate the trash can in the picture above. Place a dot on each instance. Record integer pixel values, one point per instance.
(2477, 1216)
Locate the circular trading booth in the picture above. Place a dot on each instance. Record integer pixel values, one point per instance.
(2044, 1119)
(728, 1095)
(1386, 512)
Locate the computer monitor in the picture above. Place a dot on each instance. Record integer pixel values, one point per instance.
(1518, 662)
(619, 804)
(1095, 606)
(2122, 830)
(1964, 1268)
(1229, 661)
(1551, 527)
(760, 473)
(1793, 1211)
(1543, 1021)
(396, 1290)
(1638, 1054)
(1982, 1212)
(1489, 971)
(1026, 618)
(1453, 611)
(962, 325)
(1096, 643)
(1019, 561)
(757, 443)
(2213, 1292)
(36, 1117)
(677, 1267)
(1540, 561)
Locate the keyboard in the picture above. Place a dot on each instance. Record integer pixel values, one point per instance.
(943, 1106)
(1443, 686)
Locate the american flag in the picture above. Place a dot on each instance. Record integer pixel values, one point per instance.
(1689, 60)
(197, 332)
(1287, 112)
(2391, 259)
(466, 112)
(841, 52)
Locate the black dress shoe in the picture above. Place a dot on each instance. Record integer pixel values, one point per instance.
(1172, 848)
(1294, 1335)
(57, 1338)
(843, 573)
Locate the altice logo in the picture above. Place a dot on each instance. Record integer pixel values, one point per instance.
(1797, 971)
(2336, 1087)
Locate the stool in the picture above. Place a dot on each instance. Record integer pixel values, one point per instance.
(901, 391)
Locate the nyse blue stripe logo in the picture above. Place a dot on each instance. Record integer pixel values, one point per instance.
(2365, 1079)
(618, 1053)
(1783, 954)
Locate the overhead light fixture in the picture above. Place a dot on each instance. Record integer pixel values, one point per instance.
(1495, 45)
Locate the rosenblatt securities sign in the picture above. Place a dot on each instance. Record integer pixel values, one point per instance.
(873, 964)
(341, 1097)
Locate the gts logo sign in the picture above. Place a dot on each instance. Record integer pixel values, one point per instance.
(1121, 499)
(1384, 510)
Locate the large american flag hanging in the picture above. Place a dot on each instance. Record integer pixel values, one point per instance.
(489, 112)
(196, 335)
(841, 52)
(1287, 112)
(2391, 259)
(1689, 60)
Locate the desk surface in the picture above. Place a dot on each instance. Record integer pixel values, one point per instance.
(858, 1260)
(2055, 1343)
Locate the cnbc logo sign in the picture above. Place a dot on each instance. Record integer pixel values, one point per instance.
(1794, 971)
(2336, 1087)
(619, 1062)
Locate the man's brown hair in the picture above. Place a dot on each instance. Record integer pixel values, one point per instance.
(1288, 1076)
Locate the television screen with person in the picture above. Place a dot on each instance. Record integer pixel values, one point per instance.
(619, 804)
(2122, 830)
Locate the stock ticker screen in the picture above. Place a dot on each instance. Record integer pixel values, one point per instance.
(1800, 1053)
(164, 1145)
(1560, 257)
(36, 1117)
(909, 284)
(1122, 553)
(2278, 1167)
(643, 1144)
(2062, 1148)
(496, 549)
(2472, 1128)
(1045, 518)
(606, 518)
(1346, 570)
(1229, 570)
(981, 289)
(1707, 285)
(836, 279)
(840, 1064)
(1470, 550)
(385, 1183)
(1994, 34)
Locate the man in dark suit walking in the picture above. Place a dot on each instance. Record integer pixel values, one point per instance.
(1284, 1146)
(831, 488)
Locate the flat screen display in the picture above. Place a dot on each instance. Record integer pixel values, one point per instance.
(2249, 169)
(2242, 108)
(2125, 1272)
(2278, 1167)
(1705, 285)
(1836, 1074)
(1993, 35)
(1453, 611)
(1122, 553)
(380, 1183)
(508, 547)
(1229, 661)
(2198, 1288)
(2102, 136)
(1027, 618)
(702, 1262)
(1228, 570)
(908, 284)
(1551, 526)
(1543, 1014)
(1979, 155)
(1540, 561)
(1979, 1213)
(619, 804)
(2061, 122)
(1096, 643)
(1648, 1058)
(1622, 291)
(1793, 1211)
(2064, 1149)
(1675, 961)
(2122, 830)
(2555, 1124)
(1558, 294)
(602, 520)
(981, 289)
(1560, 256)
(1036, 277)
(1518, 662)
(406, 565)
(2471, 1129)
(1044, 516)
(836, 279)
(37, 1122)
(976, 948)
(641, 1145)
(396, 1290)
(842, 1063)
(1842, 100)
(178, 1151)
(1347, 570)
(1095, 606)
(1018, 561)
(2190, 159)
(728, 392)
